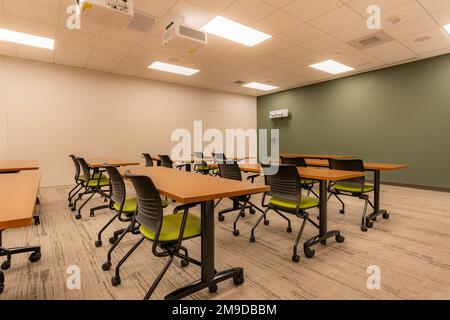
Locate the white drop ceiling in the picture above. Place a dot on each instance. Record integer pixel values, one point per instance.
(304, 32)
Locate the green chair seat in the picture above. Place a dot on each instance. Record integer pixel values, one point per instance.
(307, 181)
(203, 168)
(367, 188)
(128, 207)
(171, 228)
(103, 183)
(164, 202)
(95, 176)
(306, 203)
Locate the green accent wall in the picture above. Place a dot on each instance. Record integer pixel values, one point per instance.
(396, 115)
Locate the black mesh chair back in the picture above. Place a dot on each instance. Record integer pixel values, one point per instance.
(118, 194)
(285, 184)
(148, 160)
(85, 169)
(149, 206)
(165, 161)
(219, 157)
(77, 166)
(349, 165)
(199, 158)
(297, 161)
(230, 171)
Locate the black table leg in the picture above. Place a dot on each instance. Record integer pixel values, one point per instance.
(323, 233)
(376, 203)
(188, 167)
(209, 278)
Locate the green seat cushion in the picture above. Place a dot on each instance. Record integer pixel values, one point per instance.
(367, 188)
(103, 183)
(164, 202)
(95, 176)
(171, 228)
(307, 181)
(204, 168)
(306, 203)
(129, 206)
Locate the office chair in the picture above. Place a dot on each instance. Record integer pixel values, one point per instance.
(148, 160)
(233, 172)
(356, 187)
(286, 196)
(200, 164)
(77, 178)
(301, 163)
(219, 157)
(92, 185)
(166, 232)
(167, 162)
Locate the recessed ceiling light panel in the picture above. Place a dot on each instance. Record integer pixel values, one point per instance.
(331, 66)
(234, 31)
(260, 86)
(162, 66)
(26, 39)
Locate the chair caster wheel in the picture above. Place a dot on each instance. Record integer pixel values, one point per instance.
(386, 216)
(6, 265)
(342, 211)
(73, 209)
(221, 218)
(374, 219)
(184, 263)
(296, 258)
(266, 222)
(1, 288)
(213, 288)
(236, 232)
(106, 266)
(339, 239)
(35, 257)
(369, 224)
(78, 216)
(309, 253)
(252, 211)
(112, 240)
(363, 228)
(289, 229)
(115, 281)
(243, 214)
(98, 243)
(238, 280)
(252, 239)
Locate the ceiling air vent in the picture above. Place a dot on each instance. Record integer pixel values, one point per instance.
(142, 22)
(370, 41)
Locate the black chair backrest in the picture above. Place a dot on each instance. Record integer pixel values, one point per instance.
(148, 160)
(199, 158)
(77, 166)
(85, 168)
(219, 157)
(230, 171)
(349, 165)
(149, 207)
(285, 184)
(297, 161)
(119, 192)
(165, 161)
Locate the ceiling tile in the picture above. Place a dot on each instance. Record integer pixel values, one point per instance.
(114, 46)
(435, 5)
(248, 12)
(31, 10)
(215, 6)
(353, 31)
(128, 70)
(307, 10)
(361, 6)
(412, 27)
(279, 3)
(76, 37)
(437, 40)
(322, 42)
(300, 34)
(274, 45)
(100, 65)
(107, 55)
(390, 52)
(124, 35)
(336, 19)
(154, 8)
(70, 48)
(276, 23)
(71, 60)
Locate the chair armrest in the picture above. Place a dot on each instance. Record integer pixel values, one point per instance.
(253, 177)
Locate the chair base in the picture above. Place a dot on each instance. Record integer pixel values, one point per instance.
(309, 253)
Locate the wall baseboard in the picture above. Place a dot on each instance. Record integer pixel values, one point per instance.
(415, 186)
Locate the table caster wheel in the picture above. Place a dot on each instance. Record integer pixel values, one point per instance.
(236, 232)
(374, 219)
(115, 281)
(213, 288)
(252, 211)
(289, 229)
(369, 224)
(309, 253)
(266, 222)
(386, 216)
(35, 257)
(342, 211)
(106, 266)
(98, 243)
(243, 214)
(363, 228)
(238, 280)
(252, 239)
(339, 239)
(296, 258)
(78, 216)
(184, 263)
(112, 240)
(73, 209)
(221, 218)
(6, 265)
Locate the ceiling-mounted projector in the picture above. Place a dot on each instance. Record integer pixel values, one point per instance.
(109, 13)
(183, 38)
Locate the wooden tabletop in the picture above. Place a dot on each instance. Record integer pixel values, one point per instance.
(187, 187)
(18, 193)
(100, 162)
(18, 165)
(367, 165)
(311, 173)
(315, 156)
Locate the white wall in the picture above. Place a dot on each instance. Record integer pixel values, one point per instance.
(48, 112)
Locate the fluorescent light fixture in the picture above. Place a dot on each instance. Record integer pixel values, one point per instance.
(161, 66)
(26, 39)
(332, 67)
(447, 28)
(260, 86)
(234, 31)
